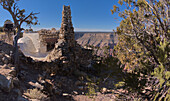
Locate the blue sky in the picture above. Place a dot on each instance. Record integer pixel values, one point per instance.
(87, 15)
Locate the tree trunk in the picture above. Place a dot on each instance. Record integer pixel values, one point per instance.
(16, 54)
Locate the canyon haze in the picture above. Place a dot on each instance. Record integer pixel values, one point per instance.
(96, 38)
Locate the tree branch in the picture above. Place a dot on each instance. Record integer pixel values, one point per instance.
(128, 35)
(31, 14)
(141, 41)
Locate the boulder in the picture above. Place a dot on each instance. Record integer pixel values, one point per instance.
(20, 98)
(6, 79)
(6, 83)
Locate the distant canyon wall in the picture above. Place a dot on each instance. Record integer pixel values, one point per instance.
(97, 39)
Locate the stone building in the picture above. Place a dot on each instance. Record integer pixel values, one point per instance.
(38, 44)
(67, 51)
(67, 30)
(48, 38)
(58, 47)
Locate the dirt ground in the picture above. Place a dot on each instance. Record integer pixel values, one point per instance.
(72, 87)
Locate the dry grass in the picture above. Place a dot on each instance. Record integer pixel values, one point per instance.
(34, 94)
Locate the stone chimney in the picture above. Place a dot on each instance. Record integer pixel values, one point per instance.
(67, 30)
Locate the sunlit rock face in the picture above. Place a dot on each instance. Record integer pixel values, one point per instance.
(97, 39)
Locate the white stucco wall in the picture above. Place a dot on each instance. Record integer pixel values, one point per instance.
(35, 39)
(30, 45)
(43, 48)
(26, 45)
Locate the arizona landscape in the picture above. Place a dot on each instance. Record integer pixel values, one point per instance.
(80, 61)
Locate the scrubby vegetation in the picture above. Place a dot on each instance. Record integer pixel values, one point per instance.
(144, 47)
(141, 57)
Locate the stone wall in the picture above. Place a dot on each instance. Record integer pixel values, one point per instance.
(48, 37)
(67, 52)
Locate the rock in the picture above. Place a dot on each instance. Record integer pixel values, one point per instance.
(1, 63)
(86, 83)
(34, 100)
(63, 58)
(64, 79)
(16, 82)
(81, 78)
(17, 92)
(80, 87)
(22, 75)
(1, 43)
(6, 83)
(24, 67)
(78, 83)
(79, 73)
(65, 94)
(20, 98)
(13, 68)
(5, 60)
(83, 74)
(103, 90)
(2, 53)
(58, 92)
(75, 92)
(37, 85)
(5, 66)
(23, 72)
(13, 73)
(7, 56)
(86, 88)
(65, 62)
(6, 80)
(42, 81)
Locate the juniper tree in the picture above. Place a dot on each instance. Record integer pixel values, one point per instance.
(19, 17)
(144, 41)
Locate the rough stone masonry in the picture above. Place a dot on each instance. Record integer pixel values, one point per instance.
(67, 52)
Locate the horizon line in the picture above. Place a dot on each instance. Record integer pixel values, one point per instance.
(79, 29)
